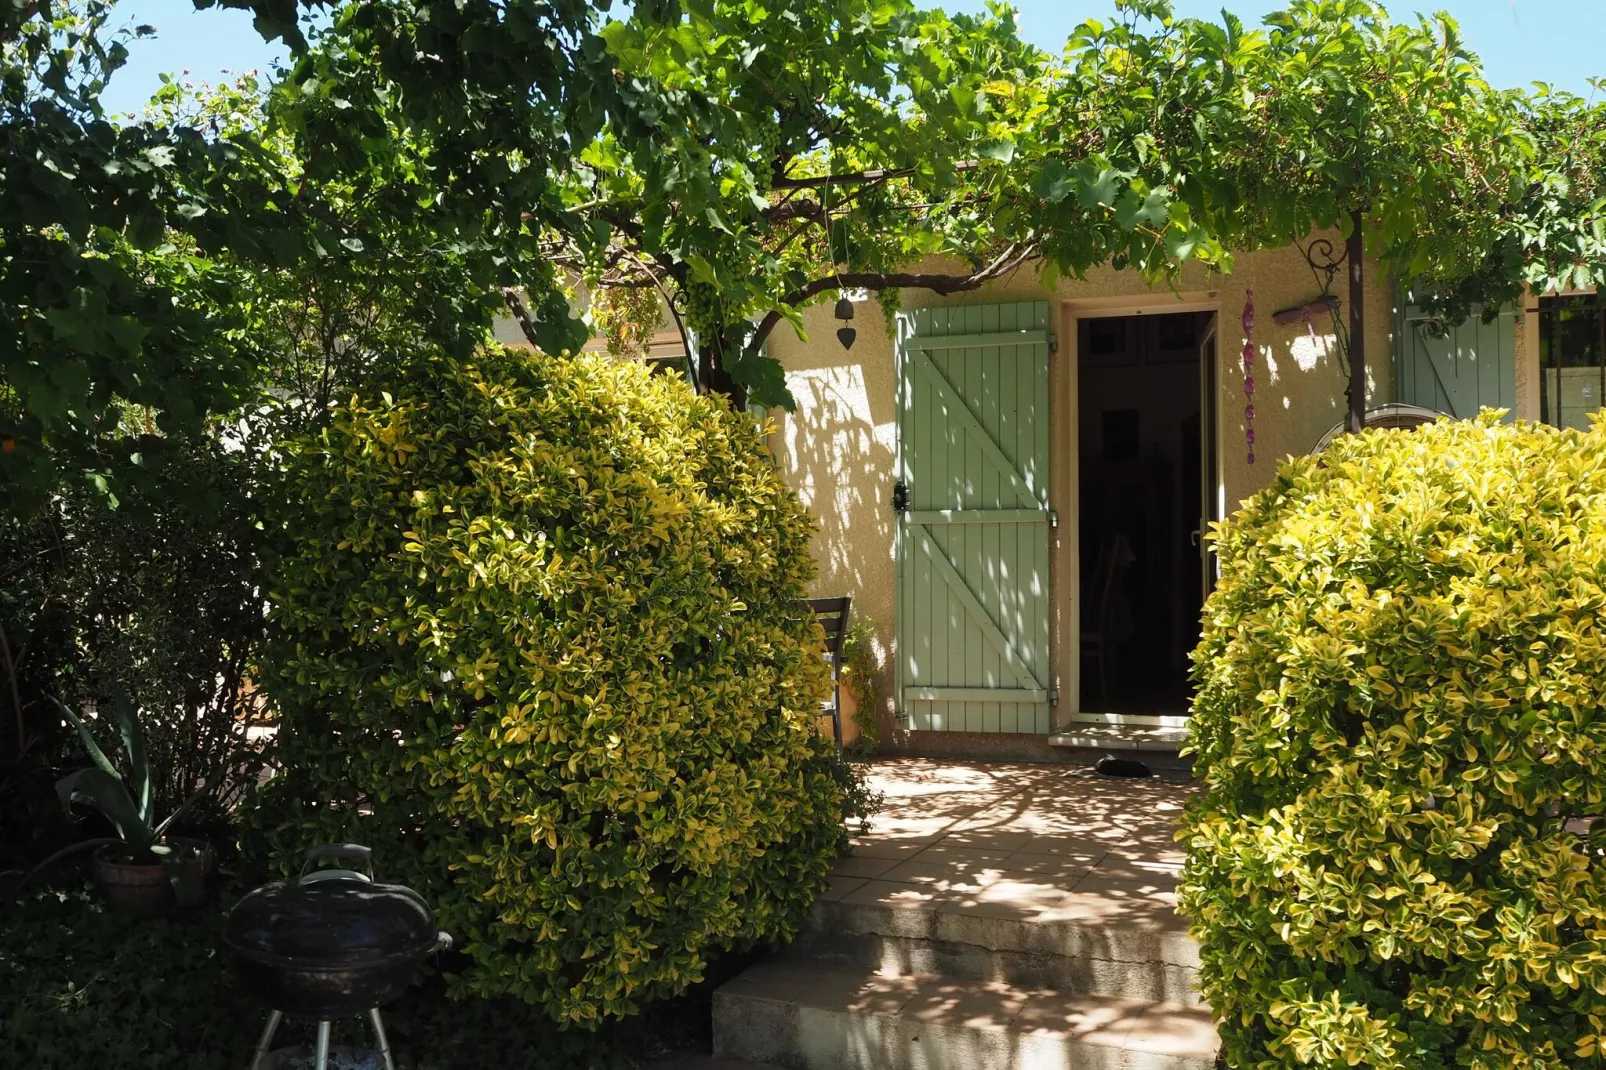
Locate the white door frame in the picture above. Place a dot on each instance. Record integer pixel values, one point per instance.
(1068, 556)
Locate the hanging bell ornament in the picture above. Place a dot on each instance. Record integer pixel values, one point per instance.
(846, 335)
(844, 308)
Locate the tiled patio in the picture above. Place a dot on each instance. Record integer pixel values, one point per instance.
(1018, 841)
(996, 917)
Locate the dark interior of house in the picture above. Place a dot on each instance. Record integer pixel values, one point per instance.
(1141, 474)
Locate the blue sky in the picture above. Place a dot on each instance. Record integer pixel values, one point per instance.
(1521, 41)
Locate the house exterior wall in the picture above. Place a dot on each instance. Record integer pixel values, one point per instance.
(838, 450)
(1526, 348)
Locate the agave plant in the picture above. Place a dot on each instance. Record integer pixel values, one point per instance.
(130, 809)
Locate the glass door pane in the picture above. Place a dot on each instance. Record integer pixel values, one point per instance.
(1572, 359)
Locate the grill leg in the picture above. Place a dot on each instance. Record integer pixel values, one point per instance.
(321, 1056)
(379, 1036)
(272, 1027)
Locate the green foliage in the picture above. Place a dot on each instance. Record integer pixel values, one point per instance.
(157, 594)
(104, 226)
(82, 988)
(538, 638)
(862, 672)
(627, 317)
(801, 148)
(746, 158)
(444, 129)
(749, 159)
(219, 246)
(860, 800)
(1396, 862)
(861, 144)
(128, 805)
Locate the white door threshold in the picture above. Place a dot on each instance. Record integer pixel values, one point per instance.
(1146, 720)
(1159, 739)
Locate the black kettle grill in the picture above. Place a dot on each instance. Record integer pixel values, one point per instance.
(331, 943)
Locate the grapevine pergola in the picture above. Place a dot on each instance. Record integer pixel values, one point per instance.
(742, 164)
(1152, 143)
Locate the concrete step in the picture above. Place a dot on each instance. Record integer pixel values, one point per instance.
(815, 1017)
(1156, 962)
(1090, 920)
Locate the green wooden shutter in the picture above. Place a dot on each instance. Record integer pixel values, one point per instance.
(1471, 368)
(973, 543)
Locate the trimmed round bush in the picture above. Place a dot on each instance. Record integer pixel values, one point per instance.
(1397, 860)
(537, 638)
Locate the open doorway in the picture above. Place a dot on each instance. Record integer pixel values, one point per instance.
(1145, 472)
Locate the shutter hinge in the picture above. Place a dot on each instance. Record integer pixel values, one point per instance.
(900, 497)
(1054, 696)
(1053, 342)
(1053, 519)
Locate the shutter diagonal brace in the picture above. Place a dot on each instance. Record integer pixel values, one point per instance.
(1449, 382)
(989, 447)
(978, 614)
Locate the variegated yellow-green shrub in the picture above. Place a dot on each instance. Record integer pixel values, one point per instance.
(537, 640)
(1401, 731)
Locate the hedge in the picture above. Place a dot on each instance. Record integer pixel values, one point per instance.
(537, 637)
(1396, 861)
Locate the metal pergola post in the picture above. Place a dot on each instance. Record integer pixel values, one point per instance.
(1355, 253)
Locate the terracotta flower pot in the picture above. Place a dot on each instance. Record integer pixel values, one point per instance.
(133, 889)
(850, 707)
(152, 890)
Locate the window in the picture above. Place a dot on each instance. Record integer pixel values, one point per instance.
(1572, 359)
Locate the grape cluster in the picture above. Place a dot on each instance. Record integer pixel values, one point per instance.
(703, 307)
(768, 143)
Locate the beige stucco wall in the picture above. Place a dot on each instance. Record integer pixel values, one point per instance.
(838, 448)
(1525, 352)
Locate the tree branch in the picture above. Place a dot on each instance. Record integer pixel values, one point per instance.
(851, 177)
(23, 13)
(1007, 262)
(521, 314)
(23, 742)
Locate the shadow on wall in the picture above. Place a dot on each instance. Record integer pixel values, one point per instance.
(1315, 356)
(838, 453)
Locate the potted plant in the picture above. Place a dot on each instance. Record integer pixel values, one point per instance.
(141, 871)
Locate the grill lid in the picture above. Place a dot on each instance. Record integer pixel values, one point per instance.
(331, 917)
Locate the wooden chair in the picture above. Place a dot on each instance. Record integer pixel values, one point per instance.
(832, 613)
(1098, 628)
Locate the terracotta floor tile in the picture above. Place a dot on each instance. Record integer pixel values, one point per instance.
(945, 875)
(887, 848)
(1009, 899)
(1063, 871)
(988, 839)
(896, 894)
(1085, 849)
(838, 885)
(862, 865)
(958, 854)
(1116, 866)
(1012, 840)
(1136, 904)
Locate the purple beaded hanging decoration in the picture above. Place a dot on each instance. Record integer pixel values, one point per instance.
(1249, 373)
